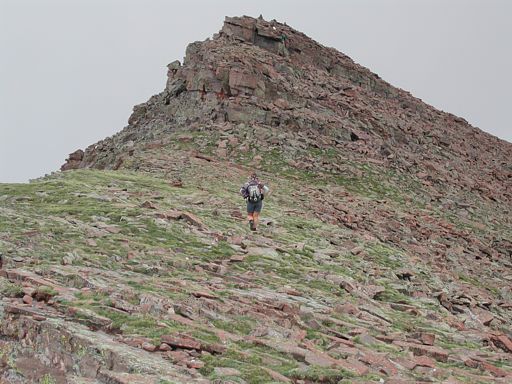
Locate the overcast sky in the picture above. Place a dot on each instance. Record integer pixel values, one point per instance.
(71, 71)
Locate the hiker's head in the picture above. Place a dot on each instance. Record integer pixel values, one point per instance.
(253, 176)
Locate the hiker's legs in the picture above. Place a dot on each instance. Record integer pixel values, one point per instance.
(253, 212)
(256, 219)
(250, 214)
(256, 214)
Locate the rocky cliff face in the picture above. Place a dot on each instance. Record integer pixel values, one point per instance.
(267, 75)
(385, 253)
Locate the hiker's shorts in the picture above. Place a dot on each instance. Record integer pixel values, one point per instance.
(254, 207)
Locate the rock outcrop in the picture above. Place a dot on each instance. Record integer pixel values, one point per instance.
(267, 75)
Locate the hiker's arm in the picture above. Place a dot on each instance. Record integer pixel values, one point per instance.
(243, 191)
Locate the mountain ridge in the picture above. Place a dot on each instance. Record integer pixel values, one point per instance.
(235, 91)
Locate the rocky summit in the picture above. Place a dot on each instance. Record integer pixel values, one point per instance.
(384, 253)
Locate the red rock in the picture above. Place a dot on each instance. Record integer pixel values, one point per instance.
(375, 360)
(405, 362)
(347, 286)
(237, 258)
(281, 103)
(292, 292)
(453, 322)
(495, 371)
(405, 274)
(357, 331)
(18, 309)
(353, 365)
(428, 338)
(181, 319)
(178, 356)
(176, 183)
(484, 316)
(356, 250)
(428, 350)
(91, 242)
(135, 342)
(213, 348)
(195, 364)
(29, 291)
(73, 161)
(178, 215)
(385, 338)
(276, 376)
(424, 361)
(192, 219)
(178, 341)
(242, 80)
(148, 204)
(347, 308)
(169, 215)
(469, 362)
(164, 347)
(424, 337)
(204, 294)
(503, 342)
(292, 309)
(38, 317)
(320, 359)
(299, 334)
(27, 299)
(236, 240)
(405, 308)
(149, 347)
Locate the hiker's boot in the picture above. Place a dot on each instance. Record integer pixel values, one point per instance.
(251, 225)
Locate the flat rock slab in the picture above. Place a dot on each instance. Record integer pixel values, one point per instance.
(503, 342)
(426, 350)
(179, 341)
(182, 215)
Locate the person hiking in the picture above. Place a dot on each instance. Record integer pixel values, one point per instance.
(253, 191)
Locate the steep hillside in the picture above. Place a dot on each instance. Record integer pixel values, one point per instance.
(384, 254)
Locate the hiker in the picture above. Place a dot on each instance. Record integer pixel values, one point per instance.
(254, 192)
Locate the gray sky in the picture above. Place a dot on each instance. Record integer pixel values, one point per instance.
(71, 71)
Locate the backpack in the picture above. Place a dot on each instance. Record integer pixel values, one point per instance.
(254, 192)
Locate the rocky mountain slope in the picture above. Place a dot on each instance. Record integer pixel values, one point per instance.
(384, 255)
